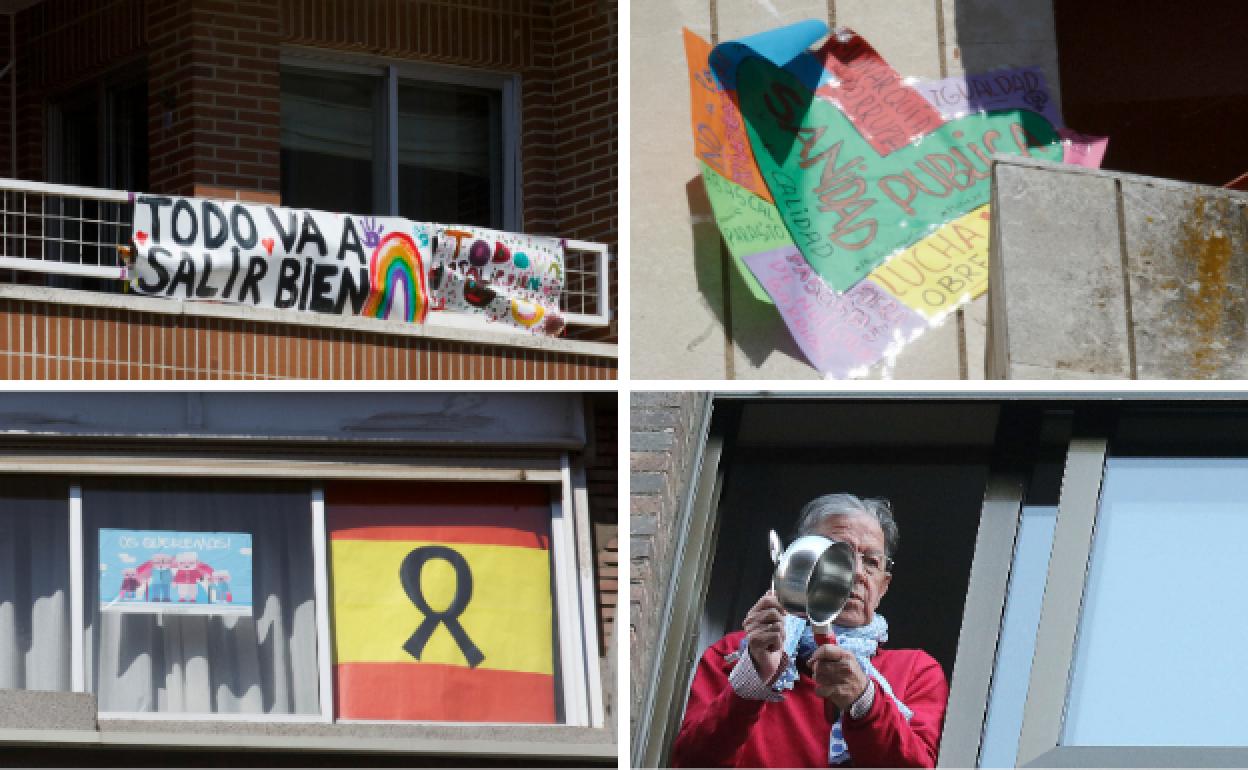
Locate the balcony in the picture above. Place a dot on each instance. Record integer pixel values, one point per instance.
(66, 311)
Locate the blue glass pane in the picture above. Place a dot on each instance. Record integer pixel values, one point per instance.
(1160, 659)
(1017, 644)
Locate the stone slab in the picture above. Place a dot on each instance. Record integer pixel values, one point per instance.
(977, 58)
(42, 710)
(738, 18)
(1186, 249)
(975, 330)
(933, 356)
(1058, 259)
(904, 32)
(999, 21)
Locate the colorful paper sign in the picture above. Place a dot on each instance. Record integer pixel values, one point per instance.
(442, 603)
(881, 182)
(502, 277)
(163, 571)
(846, 206)
(340, 264)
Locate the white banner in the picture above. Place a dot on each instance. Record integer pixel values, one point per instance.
(381, 267)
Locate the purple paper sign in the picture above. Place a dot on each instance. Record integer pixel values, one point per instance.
(1006, 89)
(840, 334)
(1009, 89)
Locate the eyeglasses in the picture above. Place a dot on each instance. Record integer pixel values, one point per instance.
(875, 563)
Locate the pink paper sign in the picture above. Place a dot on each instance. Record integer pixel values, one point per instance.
(840, 334)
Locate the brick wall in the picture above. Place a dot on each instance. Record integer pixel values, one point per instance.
(602, 479)
(586, 107)
(214, 98)
(664, 442)
(40, 340)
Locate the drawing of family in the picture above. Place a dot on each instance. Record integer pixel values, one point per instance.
(158, 578)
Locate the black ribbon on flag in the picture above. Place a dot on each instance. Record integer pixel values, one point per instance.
(409, 574)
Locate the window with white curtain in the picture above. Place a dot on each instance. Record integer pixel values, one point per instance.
(262, 663)
(34, 585)
(427, 143)
(334, 626)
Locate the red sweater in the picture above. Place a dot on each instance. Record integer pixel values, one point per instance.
(722, 729)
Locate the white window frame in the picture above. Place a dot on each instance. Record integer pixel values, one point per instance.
(390, 72)
(572, 566)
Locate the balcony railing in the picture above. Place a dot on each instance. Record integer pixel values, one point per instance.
(81, 233)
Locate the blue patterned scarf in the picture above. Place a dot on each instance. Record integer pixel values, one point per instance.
(863, 641)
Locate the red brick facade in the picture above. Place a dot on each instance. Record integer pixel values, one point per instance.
(44, 341)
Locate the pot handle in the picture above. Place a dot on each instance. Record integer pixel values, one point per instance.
(823, 635)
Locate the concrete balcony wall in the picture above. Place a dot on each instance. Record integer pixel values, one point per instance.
(1100, 275)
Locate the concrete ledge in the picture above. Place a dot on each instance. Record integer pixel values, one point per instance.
(65, 719)
(45, 710)
(555, 742)
(138, 304)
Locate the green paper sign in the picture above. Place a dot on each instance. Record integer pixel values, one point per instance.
(749, 224)
(846, 206)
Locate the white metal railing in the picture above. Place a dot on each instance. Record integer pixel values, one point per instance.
(84, 232)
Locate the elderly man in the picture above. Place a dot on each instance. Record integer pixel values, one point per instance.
(769, 696)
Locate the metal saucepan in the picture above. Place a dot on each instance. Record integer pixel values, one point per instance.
(814, 576)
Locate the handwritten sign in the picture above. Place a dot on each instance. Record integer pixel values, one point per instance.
(881, 183)
(944, 270)
(846, 206)
(871, 94)
(508, 279)
(1014, 88)
(841, 334)
(188, 573)
(340, 264)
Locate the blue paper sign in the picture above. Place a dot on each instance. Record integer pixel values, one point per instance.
(160, 571)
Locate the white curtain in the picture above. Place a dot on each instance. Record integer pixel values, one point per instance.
(263, 664)
(34, 585)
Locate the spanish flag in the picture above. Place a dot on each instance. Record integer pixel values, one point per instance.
(442, 602)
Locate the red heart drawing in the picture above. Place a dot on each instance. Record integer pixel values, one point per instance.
(268, 245)
(140, 237)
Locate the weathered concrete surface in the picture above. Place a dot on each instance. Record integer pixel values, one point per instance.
(903, 31)
(1186, 249)
(32, 709)
(1098, 274)
(1057, 262)
(738, 18)
(677, 327)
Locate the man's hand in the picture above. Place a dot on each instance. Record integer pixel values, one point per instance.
(764, 630)
(838, 676)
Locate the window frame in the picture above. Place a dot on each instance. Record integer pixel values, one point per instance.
(1056, 639)
(1048, 687)
(574, 599)
(390, 72)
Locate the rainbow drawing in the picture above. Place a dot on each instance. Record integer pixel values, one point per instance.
(397, 269)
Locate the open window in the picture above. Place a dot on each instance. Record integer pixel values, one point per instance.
(434, 144)
(1046, 562)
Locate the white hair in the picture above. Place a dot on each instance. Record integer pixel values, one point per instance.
(840, 504)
